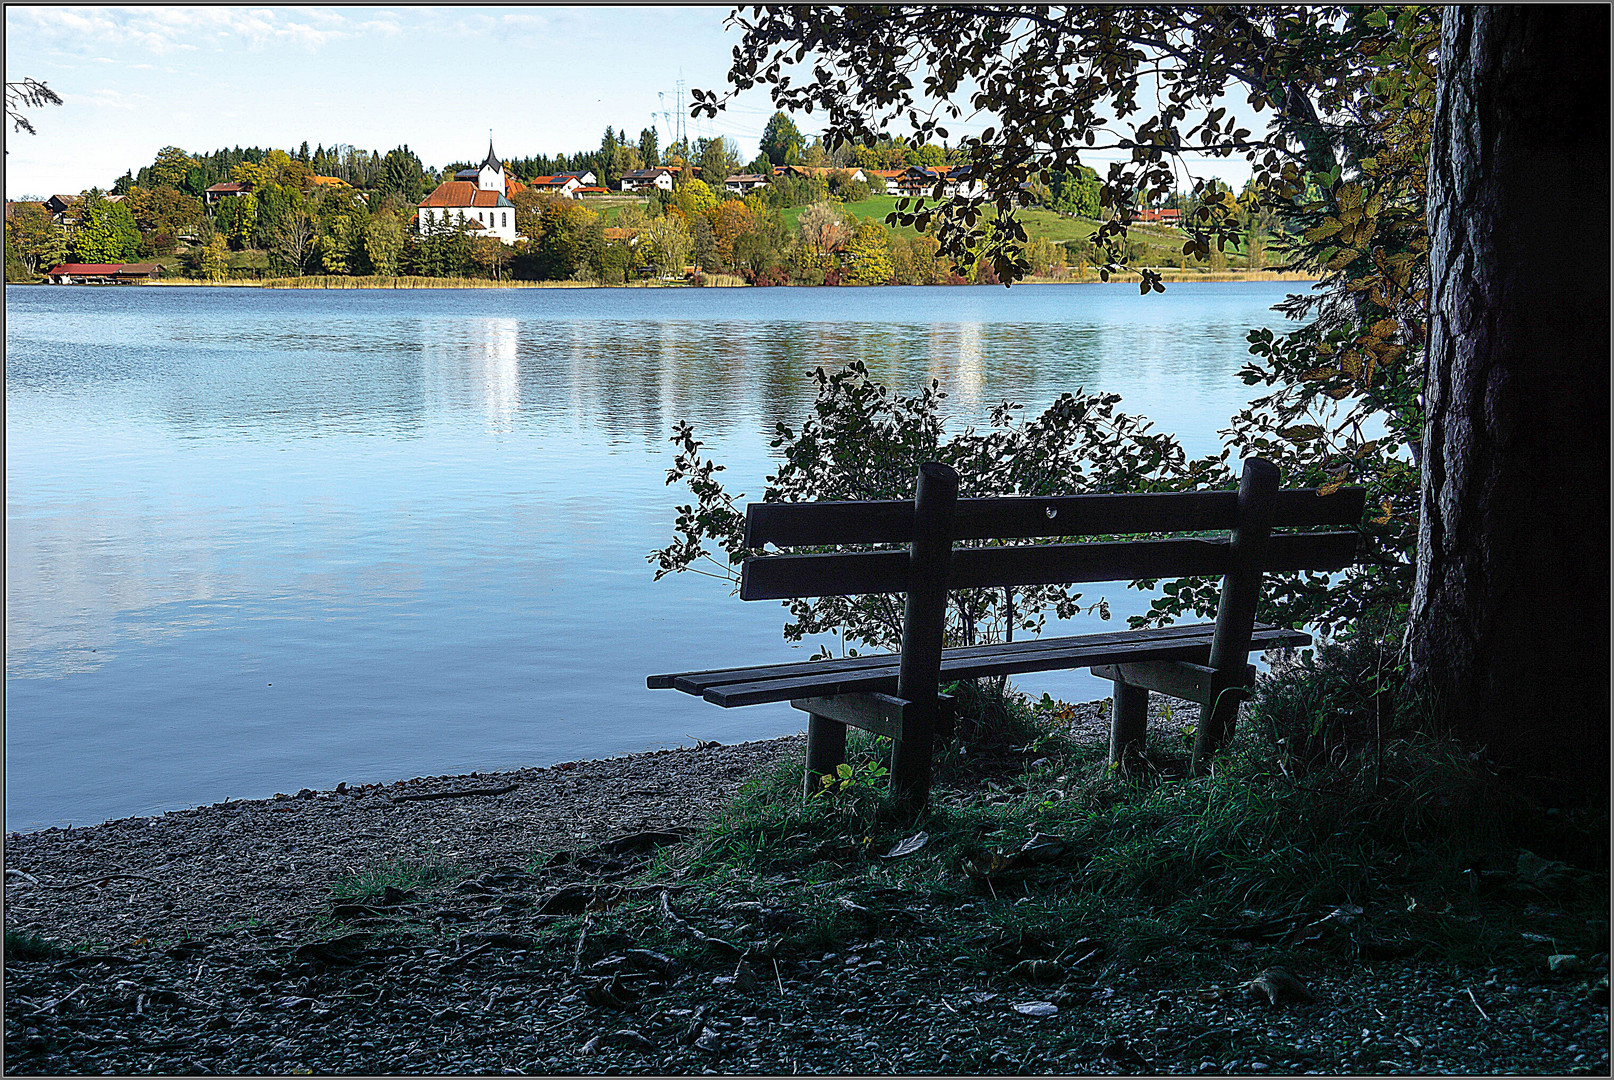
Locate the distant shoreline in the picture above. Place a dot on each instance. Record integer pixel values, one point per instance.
(714, 281)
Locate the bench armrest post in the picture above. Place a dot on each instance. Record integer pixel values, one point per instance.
(1235, 613)
(924, 625)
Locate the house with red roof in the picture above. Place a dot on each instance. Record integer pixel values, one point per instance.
(1167, 216)
(480, 203)
(566, 185)
(227, 189)
(83, 273)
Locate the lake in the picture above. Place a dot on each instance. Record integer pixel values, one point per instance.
(263, 540)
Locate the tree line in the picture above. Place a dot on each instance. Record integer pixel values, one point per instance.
(291, 223)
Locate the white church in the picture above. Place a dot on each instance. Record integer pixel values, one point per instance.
(482, 201)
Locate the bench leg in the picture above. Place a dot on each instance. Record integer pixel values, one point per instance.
(826, 748)
(1129, 722)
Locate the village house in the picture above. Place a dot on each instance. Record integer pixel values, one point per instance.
(482, 203)
(82, 273)
(227, 189)
(917, 180)
(566, 185)
(809, 171)
(58, 204)
(1169, 217)
(645, 179)
(741, 183)
(134, 273)
(102, 273)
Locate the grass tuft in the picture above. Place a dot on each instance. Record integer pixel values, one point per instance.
(25, 947)
(372, 882)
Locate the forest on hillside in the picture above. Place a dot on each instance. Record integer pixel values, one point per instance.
(349, 212)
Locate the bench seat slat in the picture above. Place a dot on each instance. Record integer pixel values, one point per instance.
(1057, 653)
(694, 682)
(890, 521)
(782, 577)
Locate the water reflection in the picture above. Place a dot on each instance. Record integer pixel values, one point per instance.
(260, 541)
(472, 365)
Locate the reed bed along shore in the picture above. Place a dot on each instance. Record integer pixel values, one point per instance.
(712, 281)
(339, 282)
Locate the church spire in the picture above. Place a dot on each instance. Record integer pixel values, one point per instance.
(492, 160)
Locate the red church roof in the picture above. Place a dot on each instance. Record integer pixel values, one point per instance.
(463, 193)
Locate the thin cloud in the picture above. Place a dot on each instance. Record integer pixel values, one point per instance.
(161, 30)
(108, 98)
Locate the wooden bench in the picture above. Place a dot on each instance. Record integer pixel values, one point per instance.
(898, 695)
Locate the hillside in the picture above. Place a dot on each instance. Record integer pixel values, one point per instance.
(1156, 246)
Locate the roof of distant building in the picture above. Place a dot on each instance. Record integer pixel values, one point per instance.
(86, 269)
(328, 181)
(463, 193)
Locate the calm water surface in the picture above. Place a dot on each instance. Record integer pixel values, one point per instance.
(262, 540)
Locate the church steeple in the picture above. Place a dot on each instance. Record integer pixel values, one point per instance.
(490, 174)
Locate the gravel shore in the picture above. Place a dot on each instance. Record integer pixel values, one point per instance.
(208, 941)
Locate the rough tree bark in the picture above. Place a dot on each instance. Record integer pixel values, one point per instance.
(1510, 612)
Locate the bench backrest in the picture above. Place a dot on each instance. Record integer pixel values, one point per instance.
(822, 524)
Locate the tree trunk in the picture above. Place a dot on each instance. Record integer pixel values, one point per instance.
(1510, 611)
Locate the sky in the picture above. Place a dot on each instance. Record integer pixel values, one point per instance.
(543, 80)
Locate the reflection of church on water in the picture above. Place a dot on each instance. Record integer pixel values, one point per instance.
(472, 365)
(633, 377)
